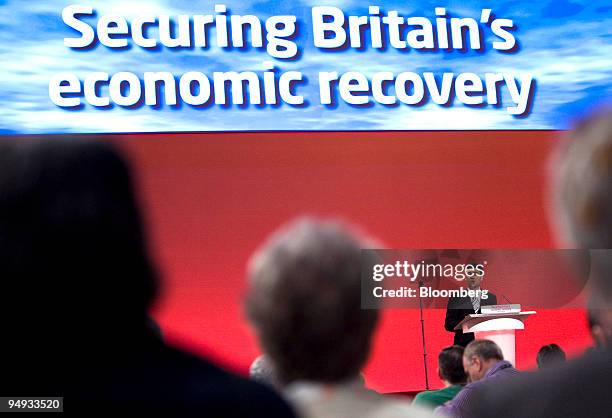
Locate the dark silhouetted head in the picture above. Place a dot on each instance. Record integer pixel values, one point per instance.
(550, 355)
(450, 365)
(76, 276)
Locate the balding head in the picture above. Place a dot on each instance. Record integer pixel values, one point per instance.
(479, 356)
(485, 349)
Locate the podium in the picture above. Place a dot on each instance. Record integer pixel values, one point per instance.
(497, 327)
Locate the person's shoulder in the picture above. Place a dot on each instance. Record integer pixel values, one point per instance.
(431, 398)
(393, 409)
(424, 397)
(430, 394)
(471, 386)
(214, 389)
(391, 406)
(577, 388)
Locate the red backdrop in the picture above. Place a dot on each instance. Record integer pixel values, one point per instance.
(210, 199)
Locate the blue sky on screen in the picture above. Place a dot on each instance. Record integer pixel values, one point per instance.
(565, 44)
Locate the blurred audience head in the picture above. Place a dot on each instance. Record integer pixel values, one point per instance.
(450, 365)
(478, 358)
(73, 256)
(582, 183)
(305, 302)
(262, 371)
(582, 179)
(550, 355)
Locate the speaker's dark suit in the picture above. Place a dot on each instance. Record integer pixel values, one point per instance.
(457, 309)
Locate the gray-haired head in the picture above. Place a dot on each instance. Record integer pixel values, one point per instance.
(582, 183)
(305, 302)
(479, 357)
(484, 349)
(582, 191)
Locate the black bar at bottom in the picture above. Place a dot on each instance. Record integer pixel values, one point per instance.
(31, 404)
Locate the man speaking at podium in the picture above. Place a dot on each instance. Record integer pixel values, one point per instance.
(459, 307)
